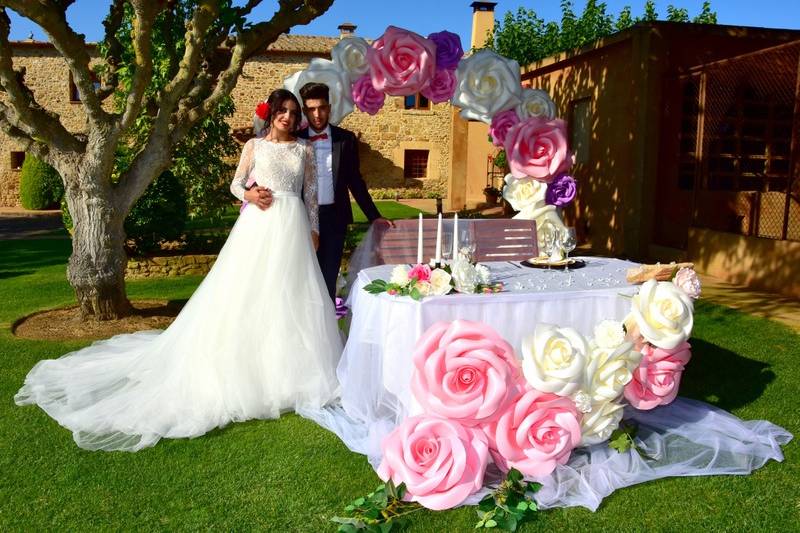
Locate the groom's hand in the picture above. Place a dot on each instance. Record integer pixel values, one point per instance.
(385, 222)
(261, 196)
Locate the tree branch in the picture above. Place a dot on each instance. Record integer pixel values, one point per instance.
(145, 13)
(114, 50)
(50, 16)
(28, 116)
(249, 42)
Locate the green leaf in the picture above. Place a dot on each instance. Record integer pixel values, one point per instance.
(491, 523)
(415, 294)
(514, 475)
(400, 490)
(487, 503)
(534, 487)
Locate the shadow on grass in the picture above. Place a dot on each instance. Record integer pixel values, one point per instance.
(724, 378)
(20, 257)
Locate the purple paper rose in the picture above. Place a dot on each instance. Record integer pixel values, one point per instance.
(366, 97)
(560, 191)
(442, 86)
(448, 49)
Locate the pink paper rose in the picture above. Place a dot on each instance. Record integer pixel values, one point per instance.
(537, 147)
(686, 278)
(420, 273)
(657, 379)
(464, 371)
(501, 123)
(537, 432)
(401, 62)
(366, 97)
(442, 86)
(440, 461)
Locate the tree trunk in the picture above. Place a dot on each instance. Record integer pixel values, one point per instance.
(96, 268)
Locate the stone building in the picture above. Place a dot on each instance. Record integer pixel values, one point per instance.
(405, 148)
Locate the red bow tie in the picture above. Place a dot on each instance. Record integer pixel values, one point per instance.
(320, 137)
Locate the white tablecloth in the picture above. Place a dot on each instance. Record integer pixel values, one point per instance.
(375, 369)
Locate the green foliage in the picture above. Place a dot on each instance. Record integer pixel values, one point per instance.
(624, 438)
(509, 505)
(159, 214)
(380, 511)
(40, 186)
(199, 160)
(526, 37)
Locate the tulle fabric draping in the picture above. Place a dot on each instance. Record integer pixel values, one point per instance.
(258, 337)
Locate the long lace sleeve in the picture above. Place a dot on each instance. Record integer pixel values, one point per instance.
(310, 188)
(243, 171)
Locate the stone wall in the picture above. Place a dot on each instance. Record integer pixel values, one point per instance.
(383, 137)
(169, 266)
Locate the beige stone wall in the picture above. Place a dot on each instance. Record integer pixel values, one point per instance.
(47, 75)
(169, 266)
(383, 137)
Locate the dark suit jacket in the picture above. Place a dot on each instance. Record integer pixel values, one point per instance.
(347, 177)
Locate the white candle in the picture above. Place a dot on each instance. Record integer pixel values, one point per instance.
(438, 258)
(455, 237)
(419, 241)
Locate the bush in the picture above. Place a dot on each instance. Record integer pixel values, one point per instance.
(40, 186)
(158, 215)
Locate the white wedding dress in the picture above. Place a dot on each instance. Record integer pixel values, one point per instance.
(257, 338)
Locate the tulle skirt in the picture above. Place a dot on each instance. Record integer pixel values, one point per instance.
(258, 337)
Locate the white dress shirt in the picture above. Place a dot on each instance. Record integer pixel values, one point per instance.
(323, 150)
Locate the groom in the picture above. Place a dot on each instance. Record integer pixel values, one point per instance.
(338, 175)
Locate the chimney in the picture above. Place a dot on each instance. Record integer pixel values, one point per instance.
(482, 22)
(346, 29)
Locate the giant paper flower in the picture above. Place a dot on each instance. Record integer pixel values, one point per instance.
(350, 55)
(609, 370)
(601, 420)
(401, 62)
(327, 72)
(501, 123)
(448, 49)
(441, 86)
(561, 190)
(464, 371)
(554, 359)
(535, 434)
(366, 97)
(536, 103)
(538, 148)
(663, 313)
(487, 84)
(524, 194)
(440, 461)
(657, 379)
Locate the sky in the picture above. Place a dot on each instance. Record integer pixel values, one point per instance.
(427, 16)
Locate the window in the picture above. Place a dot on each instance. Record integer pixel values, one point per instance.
(415, 164)
(580, 128)
(17, 158)
(74, 94)
(416, 101)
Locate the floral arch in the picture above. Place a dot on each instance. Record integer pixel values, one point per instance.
(484, 85)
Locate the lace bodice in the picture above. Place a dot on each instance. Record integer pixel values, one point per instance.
(280, 167)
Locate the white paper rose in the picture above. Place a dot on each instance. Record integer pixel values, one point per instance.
(524, 194)
(440, 282)
(686, 278)
(465, 277)
(486, 83)
(483, 274)
(609, 370)
(424, 288)
(554, 359)
(536, 103)
(350, 55)
(327, 72)
(598, 424)
(609, 334)
(663, 313)
(399, 275)
(582, 401)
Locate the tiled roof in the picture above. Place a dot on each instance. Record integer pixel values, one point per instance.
(303, 43)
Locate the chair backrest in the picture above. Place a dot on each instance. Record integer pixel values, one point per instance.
(495, 240)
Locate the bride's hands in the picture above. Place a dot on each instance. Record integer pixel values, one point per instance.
(315, 240)
(261, 196)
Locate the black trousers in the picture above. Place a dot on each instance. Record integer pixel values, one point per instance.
(331, 246)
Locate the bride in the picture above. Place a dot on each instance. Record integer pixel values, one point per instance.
(257, 338)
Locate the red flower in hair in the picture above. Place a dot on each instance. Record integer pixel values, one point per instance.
(262, 110)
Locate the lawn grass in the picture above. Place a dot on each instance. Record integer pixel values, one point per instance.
(291, 475)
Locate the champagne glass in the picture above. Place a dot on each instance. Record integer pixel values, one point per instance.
(548, 237)
(466, 244)
(447, 246)
(568, 243)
